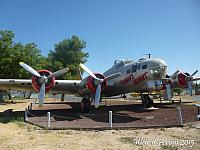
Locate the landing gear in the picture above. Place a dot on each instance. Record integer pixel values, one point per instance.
(124, 96)
(147, 100)
(85, 105)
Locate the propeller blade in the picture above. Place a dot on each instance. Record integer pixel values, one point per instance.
(58, 73)
(194, 73)
(175, 73)
(190, 87)
(169, 92)
(29, 69)
(97, 95)
(112, 76)
(41, 94)
(89, 71)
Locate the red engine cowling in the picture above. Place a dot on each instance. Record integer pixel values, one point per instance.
(91, 83)
(36, 84)
(181, 78)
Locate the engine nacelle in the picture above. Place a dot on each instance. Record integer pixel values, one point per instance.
(36, 84)
(92, 83)
(181, 80)
(89, 84)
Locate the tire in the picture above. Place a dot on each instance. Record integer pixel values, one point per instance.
(147, 101)
(85, 105)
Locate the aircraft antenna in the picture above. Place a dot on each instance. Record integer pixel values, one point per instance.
(149, 55)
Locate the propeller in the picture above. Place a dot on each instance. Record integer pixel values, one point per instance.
(194, 73)
(29, 69)
(175, 73)
(97, 95)
(89, 72)
(168, 81)
(58, 73)
(43, 79)
(189, 79)
(41, 94)
(169, 92)
(98, 89)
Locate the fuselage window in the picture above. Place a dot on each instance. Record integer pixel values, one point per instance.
(134, 68)
(144, 67)
(138, 66)
(128, 71)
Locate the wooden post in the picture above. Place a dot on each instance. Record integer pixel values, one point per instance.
(110, 119)
(1, 96)
(31, 106)
(63, 97)
(198, 111)
(48, 119)
(180, 115)
(26, 115)
(198, 117)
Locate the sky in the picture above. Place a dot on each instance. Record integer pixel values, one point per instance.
(112, 29)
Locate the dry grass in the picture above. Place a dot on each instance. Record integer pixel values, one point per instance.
(16, 134)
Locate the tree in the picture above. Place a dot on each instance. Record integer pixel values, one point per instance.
(12, 53)
(178, 91)
(68, 53)
(6, 43)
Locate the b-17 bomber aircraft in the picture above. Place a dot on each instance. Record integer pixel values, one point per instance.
(125, 76)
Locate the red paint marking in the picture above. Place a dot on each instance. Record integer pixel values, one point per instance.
(182, 79)
(37, 87)
(136, 81)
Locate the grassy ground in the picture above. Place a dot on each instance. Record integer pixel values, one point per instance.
(15, 134)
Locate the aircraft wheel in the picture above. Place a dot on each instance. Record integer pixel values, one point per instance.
(85, 105)
(147, 101)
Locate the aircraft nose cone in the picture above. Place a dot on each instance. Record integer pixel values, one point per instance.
(158, 69)
(162, 63)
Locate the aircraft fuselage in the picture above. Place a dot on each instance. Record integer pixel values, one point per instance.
(143, 75)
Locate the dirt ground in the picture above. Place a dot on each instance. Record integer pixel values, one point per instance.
(15, 134)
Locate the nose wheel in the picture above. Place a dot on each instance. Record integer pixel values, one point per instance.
(147, 100)
(85, 105)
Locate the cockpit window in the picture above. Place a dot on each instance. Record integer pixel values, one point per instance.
(119, 65)
(144, 66)
(134, 68)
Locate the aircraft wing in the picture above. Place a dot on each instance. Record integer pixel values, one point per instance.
(196, 78)
(61, 86)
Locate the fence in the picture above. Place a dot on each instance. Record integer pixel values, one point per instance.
(49, 114)
(110, 114)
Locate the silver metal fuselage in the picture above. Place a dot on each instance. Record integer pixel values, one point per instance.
(141, 76)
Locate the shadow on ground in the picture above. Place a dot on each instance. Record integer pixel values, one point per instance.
(11, 116)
